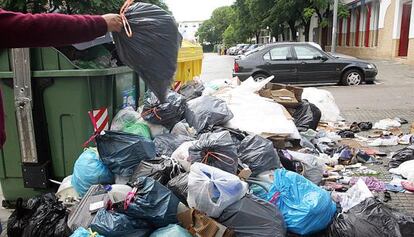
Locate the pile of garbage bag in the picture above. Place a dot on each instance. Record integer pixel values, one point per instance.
(222, 162)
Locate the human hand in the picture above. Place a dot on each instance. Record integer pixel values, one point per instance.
(113, 21)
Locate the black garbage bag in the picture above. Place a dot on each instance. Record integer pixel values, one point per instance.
(49, 219)
(179, 186)
(252, 216)
(217, 150)
(20, 217)
(371, 218)
(166, 113)
(401, 156)
(152, 202)
(122, 152)
(207, 111)
(153, 48)
(258, 153)
(114, 224)
(191, 90)
(161, 170)
(236, 134)
(166, 144)
(307, 116)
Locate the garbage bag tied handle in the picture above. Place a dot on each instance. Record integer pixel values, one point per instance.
(124, 8)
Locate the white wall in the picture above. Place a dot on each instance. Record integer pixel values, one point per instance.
(411, 36)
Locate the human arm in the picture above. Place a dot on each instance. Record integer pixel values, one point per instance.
(44, 30)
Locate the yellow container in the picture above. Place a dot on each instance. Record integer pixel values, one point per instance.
(190, 59)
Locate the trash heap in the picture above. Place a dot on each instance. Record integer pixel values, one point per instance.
(226, 158)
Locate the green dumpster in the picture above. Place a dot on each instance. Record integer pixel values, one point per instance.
(62, 96)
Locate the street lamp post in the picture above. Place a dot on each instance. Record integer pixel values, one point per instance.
(334, 26)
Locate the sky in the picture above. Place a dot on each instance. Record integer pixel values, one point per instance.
(194, 10)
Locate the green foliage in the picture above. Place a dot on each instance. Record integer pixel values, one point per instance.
(212, 30)
(70, 6)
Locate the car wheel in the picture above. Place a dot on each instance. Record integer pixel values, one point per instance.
(260, 77)
(352, 77)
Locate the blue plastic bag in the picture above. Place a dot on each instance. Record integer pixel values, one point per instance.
(171, 231)
(122, 152)
(82, 232)
(306, 208)
(113, 224)
(89, 170)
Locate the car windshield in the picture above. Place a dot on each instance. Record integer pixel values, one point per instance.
(254, 50)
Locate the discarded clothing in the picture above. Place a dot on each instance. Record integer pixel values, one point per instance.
(373, 183)
(346, 134)
(386, 124)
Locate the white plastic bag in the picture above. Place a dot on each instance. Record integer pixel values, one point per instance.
(355, 195)
(256, 114)
(325, 101)
(182, 156)
(406, 169)
(211, 190)
(385, 124)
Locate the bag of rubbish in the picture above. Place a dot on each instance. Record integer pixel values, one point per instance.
(211, 190)
(371, 218)
(20, 217)
(183, 128)
(151, 201)
(82, 232)
(406, 169)
(171, 231)
(181, 155)
(166, 144)
(179, 186)
(160, 169)
(122, 152)
(306, 207)
(401, 156)
(307, 116)
(258, 153)
(152, 49)
(49, 219)
(192, 90)
(236, 134)
(166, 113)
(127, 120)
(80, 216)
(114, 224)
(313, 168)
(325, 102)
(217, 150)
(200, 225)
(207, 111)
(353, 196)
(89, 170)
(252, 216)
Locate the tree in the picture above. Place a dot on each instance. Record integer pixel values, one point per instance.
(70, 6)
(212, 30)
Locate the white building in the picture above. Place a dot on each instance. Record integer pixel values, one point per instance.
(188, 29)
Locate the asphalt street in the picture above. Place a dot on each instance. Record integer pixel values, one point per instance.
(391, 96)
